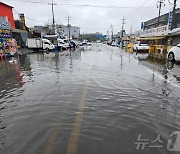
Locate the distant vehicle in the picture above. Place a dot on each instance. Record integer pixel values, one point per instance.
(89, 43)
(39, 44)
(83, 43)
(139, 46)
(174, 53)
(62, 44)
(113, 44)
(98, 41)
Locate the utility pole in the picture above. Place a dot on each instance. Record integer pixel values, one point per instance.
(107, 34)
(112, 32)
(123, 23)
(174, 14)
(122, 31)
(160, 3)
(69, 27)
(131, 30)
(53, 24)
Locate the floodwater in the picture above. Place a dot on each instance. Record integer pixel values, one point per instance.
(99, 100)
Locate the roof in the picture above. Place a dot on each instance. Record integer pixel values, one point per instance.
(152, 38)
(51, 36)
(1, 3)
(174, 32)
(163, 15)
(19, 31)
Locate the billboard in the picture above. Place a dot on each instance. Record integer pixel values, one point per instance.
(170, 20)
(4, 24)
(5, 33)
(5, 28)
(159, 31)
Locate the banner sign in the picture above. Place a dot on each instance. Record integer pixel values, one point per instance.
(170, 20)
(142, 25)
(4, 24)
(4, 33)
(159, 31)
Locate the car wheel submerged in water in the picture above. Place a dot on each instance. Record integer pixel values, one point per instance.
(47, 50)
(171, 57)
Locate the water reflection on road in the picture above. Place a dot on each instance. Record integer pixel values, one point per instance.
(86, 102)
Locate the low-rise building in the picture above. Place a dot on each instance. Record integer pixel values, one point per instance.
(16, 29)
(163, 20)
(6, 11)
(65, 30)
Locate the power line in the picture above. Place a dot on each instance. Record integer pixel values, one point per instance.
(26, 1)
(86, 5)
(28, 17)
(170, 3)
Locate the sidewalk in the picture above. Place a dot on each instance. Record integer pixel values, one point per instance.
(25, 51)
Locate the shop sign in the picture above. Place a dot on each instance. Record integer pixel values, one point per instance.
(4, 24)
(159, 31)
(170, 20)
(5, 33)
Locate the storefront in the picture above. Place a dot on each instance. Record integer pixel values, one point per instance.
(8, 45)
(157, 38)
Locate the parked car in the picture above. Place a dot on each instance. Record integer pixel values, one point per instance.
(113, 44)
(140, 47)
(174, 53)
(62, 44)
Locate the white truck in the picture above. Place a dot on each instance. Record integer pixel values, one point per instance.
(39, 44)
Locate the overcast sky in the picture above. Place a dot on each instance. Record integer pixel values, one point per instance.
(90, 19)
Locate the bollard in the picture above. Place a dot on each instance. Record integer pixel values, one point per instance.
(0, 56)
(4, 56)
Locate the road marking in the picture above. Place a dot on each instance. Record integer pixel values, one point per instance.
(73, 141)
(56, 131)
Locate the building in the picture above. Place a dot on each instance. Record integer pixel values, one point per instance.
(16, 29)
(20, 33)
(64, 31)
(6, 11)
(39, 31)
(163, 21)
(93, 36)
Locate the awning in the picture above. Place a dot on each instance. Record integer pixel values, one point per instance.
(152, 38)
(51, 36)
(19, 31)
(174, 32)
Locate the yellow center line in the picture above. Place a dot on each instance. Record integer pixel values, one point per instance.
(56, 131)
(73, 141)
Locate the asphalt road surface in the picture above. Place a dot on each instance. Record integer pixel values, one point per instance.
(96, 100)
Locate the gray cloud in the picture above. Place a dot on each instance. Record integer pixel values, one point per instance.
(90, 19)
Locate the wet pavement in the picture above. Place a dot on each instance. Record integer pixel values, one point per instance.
(98, 100)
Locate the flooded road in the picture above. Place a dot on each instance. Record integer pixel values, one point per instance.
(97, 101)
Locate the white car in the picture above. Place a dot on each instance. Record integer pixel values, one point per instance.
(140, 47)
(113, 44)
(174, 53)
(62, 44)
